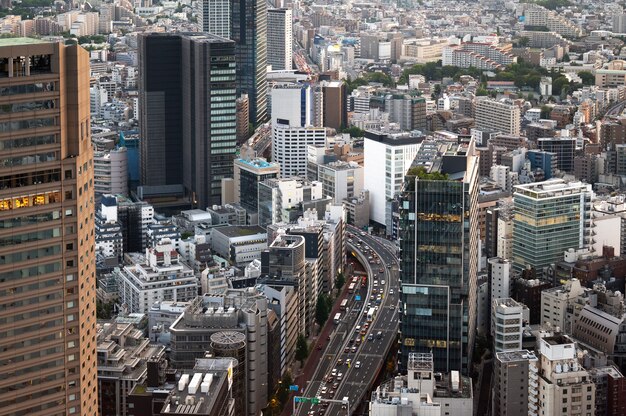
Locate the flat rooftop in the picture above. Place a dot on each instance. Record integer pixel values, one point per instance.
(513, 356)
(20, 41)
(240, 230)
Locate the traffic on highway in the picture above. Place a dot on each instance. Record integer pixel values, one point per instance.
(366, 326)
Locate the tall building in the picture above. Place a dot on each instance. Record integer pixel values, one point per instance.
(334, 104)
(563, 148)
(388, 175)
(248, 173)
(341, 180)
(499, 116)
(439, 239)
(278, 198)
(47, 271)
(243, 119)
(507, 321)
(515, 384)
(215, 17)
(619, 23)
(249, 31)
(289, 147)
(550, 218)
(279, 39)
(188, 113)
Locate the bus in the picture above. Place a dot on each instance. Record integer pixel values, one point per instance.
(351, 288)
(370, 314)
(337, 318)
(343, 305)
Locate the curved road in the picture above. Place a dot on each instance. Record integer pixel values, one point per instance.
(356, 379)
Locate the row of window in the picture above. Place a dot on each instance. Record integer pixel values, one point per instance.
(9, 162)
(28, 141)
(27, 88)
(9, 126)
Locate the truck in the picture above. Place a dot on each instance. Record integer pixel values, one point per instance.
(337, 318)
(370, 314)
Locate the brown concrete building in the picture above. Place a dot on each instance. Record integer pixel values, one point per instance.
(334, 104)
(47, 262)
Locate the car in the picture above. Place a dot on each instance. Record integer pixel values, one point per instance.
(379, 335)
(362, 233)
(339, 376)
(357, 341)
(389, 266)
(331, 393)
(358, 328)
(391, 291)
(346, 350)
(334, 372)
(392, 307)
(357, 364)
(335, 385)
(381, 271)
(348, 361)
(340, 361)
(328, 338)
(330, 379)
(370, 337)
(353, 349)
(382, 282)
(324, 390)
(375, 282)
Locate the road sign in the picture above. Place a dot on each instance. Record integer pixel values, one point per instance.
(293, 388)
(315, 400)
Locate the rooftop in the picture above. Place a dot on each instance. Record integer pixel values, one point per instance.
(240, 230)
(513, 356)
(20, 41)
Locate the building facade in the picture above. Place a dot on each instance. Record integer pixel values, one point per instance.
(47, 272)
(279, 39)
(188, 113)
(438, 260)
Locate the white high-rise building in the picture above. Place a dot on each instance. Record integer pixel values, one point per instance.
(507, 317)
(499, 273)
(289, 147)
(387, 158)
(279, 39)
(341, 180)
(292, 103)
(215, 17)
(111, 172)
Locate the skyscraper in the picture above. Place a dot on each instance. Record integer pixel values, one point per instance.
(279, 39)
(215, 17)
(249, 31)
(550, 218)
(438, 261)
(47, 262)
(188, 112)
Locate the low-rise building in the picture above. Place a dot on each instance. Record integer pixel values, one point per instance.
(239, 244)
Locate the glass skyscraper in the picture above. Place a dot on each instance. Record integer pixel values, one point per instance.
(439, 237)
(550, 218)
(188, 112)
(249, 31)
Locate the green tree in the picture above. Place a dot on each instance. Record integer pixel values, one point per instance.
(104, 310)
(321, 309)
(523, 41)
(302, 349)
(545, 111)
(340, 281)
(437, 90)
(559, 84)
(353, 131)
(480, 92)
(587, 77)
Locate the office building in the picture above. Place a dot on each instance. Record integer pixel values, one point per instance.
(187, 116)
(243, 119)
(248, 173)
(507, 321)
(547, 161)
(550, 218)
(439, 239)
(279, 39)
(563, 148)
(289, 147)
(334, 108)
(409, 112)
(160, 275)
(341, 180)
(233, 324)
(610, 390)
(214, 17)
(499, 270)
(619, 23)
(292, 104)
(134, 218)
(381, 175)
(239, 244)
(499, 116)
(47, 273)
(249, 31)
(515, 384)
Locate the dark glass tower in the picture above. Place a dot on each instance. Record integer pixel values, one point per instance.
(249, 32)
(439, 243)
(188, 112)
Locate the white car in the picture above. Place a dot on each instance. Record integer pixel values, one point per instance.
(391, 291)
(334, 372)
(357, 364)
(324, 390)
(382, 282)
